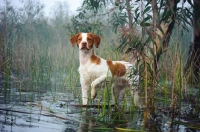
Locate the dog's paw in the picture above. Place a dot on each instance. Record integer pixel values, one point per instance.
(85, 100)
(93, 91)
(93, 94)
(93, 97)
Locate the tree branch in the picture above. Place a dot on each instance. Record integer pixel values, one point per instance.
(129, 13)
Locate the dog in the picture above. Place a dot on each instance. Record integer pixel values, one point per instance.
(93, 69)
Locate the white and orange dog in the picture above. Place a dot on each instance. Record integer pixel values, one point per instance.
(94, 70)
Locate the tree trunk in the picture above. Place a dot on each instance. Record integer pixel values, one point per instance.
(130, 18)
(160, 38)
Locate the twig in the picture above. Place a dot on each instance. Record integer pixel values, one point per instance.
(91, 106)
(49, 114)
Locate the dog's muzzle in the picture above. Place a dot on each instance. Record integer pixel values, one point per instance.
(84, 45)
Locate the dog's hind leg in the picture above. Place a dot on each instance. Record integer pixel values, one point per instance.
(134, 82)
(135, 97)
(115, 93)
(117, 87)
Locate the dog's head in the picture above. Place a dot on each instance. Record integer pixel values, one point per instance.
(85, 40)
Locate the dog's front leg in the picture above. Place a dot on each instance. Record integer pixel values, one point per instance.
(94, 84)
(85, 90)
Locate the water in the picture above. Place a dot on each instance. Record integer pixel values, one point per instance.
(53, 112)
(60, 111)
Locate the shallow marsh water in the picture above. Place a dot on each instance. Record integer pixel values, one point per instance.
(59, 111)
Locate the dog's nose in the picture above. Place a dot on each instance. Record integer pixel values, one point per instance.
(84, 44)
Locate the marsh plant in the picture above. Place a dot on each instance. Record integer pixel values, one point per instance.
(35, 53)
(35, 50)
(159, 36)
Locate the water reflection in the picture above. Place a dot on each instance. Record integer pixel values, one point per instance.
(41, 111)
(94, 122)
(86, 124)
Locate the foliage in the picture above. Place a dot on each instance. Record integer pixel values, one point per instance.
(36, 47)
(145, 28)
(75, 26)
(36, 53)
(117, 13)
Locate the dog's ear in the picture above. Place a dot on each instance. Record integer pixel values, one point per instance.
(73, 39)
(97, 40)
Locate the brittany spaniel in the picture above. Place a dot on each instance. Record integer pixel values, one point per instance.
(94, 69)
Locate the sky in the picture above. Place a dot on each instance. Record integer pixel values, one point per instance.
(48, 4)
(73, 4)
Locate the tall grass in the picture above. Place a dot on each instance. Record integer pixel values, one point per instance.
(32, 55)
(173, 82)
(37, 54)
(47, 62)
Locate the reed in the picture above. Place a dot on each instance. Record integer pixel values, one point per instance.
(38, 63)
(46, 66)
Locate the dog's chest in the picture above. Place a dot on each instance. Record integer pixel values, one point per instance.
(91, 71)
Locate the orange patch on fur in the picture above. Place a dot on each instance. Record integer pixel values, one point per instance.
(95, 59)
(74, 38)
(78, 41)
(90, 40)
(117, 69)
(94, 38)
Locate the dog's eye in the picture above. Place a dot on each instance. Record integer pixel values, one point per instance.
(89, 39)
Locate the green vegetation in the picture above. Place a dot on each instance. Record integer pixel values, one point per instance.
(36, 55)
(159, 34)
(36, 52)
